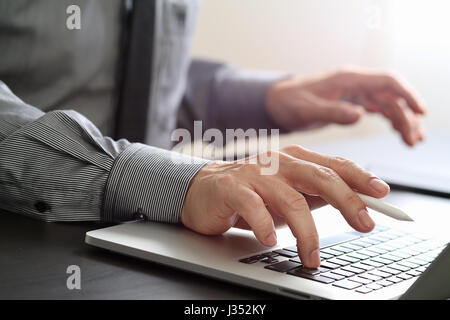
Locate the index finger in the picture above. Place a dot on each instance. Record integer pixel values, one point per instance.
(397, 86)
(394, 84)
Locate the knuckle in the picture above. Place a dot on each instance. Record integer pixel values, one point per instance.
(390, 77)
(351, 199)
(294, 148)
(264, 223)
(324, 173)
(297, 203)
(252, 203)
(225, 181)
(342, 163)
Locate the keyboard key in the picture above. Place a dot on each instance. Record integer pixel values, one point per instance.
(329, 265)
(357, 255)
(385, 283)
(311, 271)
(252, 259)
(318, 278)
(292, 249)
(414, 273)
(399, 267)
(394, 279)
(269, 260)
(332, 252)
(380, 273)
(399, 254)
(377, 250)
(360, 280)
(364, 290)
(370, 276)
(296, 259)
(416, 261)
(368, 253)
(390, 257)
(284, 253)
(270, 254)
(343, 273)
(353, 269)
(408, 264)
(351, 246)
(380, 237)
(404, 276)
(347, 284)
(381, 260)
(389, 235)
(372, 263)
(361, 243)
(374, 286)
(338, 261)
(421, 269)
(342, 249)
(359, 265)
(389, 270)
(332, 275)
(324, 255)
(425, 258)
(371, 240)
(282, 266)
(349, 259)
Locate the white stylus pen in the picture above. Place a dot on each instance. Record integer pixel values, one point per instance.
(384, 208)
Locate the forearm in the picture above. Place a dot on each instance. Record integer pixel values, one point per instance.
(226, 97)
(57, 166)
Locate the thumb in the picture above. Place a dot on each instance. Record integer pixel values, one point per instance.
(339, 111)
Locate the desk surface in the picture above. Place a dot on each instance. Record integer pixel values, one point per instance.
(34, 257)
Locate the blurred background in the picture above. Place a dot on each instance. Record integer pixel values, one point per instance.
(409, 37)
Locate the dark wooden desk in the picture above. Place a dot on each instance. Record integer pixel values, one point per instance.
(34, 257)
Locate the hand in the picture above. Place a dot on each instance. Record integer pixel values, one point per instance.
(227, 194)
(343, 97)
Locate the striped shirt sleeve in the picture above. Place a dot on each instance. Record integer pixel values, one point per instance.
(57, 166)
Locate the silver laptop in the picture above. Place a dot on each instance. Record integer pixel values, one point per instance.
(383, 264)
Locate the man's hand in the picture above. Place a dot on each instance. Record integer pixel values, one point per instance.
(227, 194)
(342, 97)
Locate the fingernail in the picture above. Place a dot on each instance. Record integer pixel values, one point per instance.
(365, 219)
(378, 185)
(314, 257)
(271, 240)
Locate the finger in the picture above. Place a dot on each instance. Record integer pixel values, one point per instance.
(337, 111)
(355, 176)
(402, 118)
(377, 81)
(249, 205)
(311, 178)
(289, 203)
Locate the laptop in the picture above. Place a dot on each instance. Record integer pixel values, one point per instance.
(394, 261)
(387, 263)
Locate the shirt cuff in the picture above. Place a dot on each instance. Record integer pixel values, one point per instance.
(149, 182)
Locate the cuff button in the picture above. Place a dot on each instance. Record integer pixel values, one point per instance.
(41, 206)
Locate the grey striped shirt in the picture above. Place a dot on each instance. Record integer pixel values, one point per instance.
(55, 165)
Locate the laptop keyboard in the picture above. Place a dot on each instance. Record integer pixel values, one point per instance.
(357, 261)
